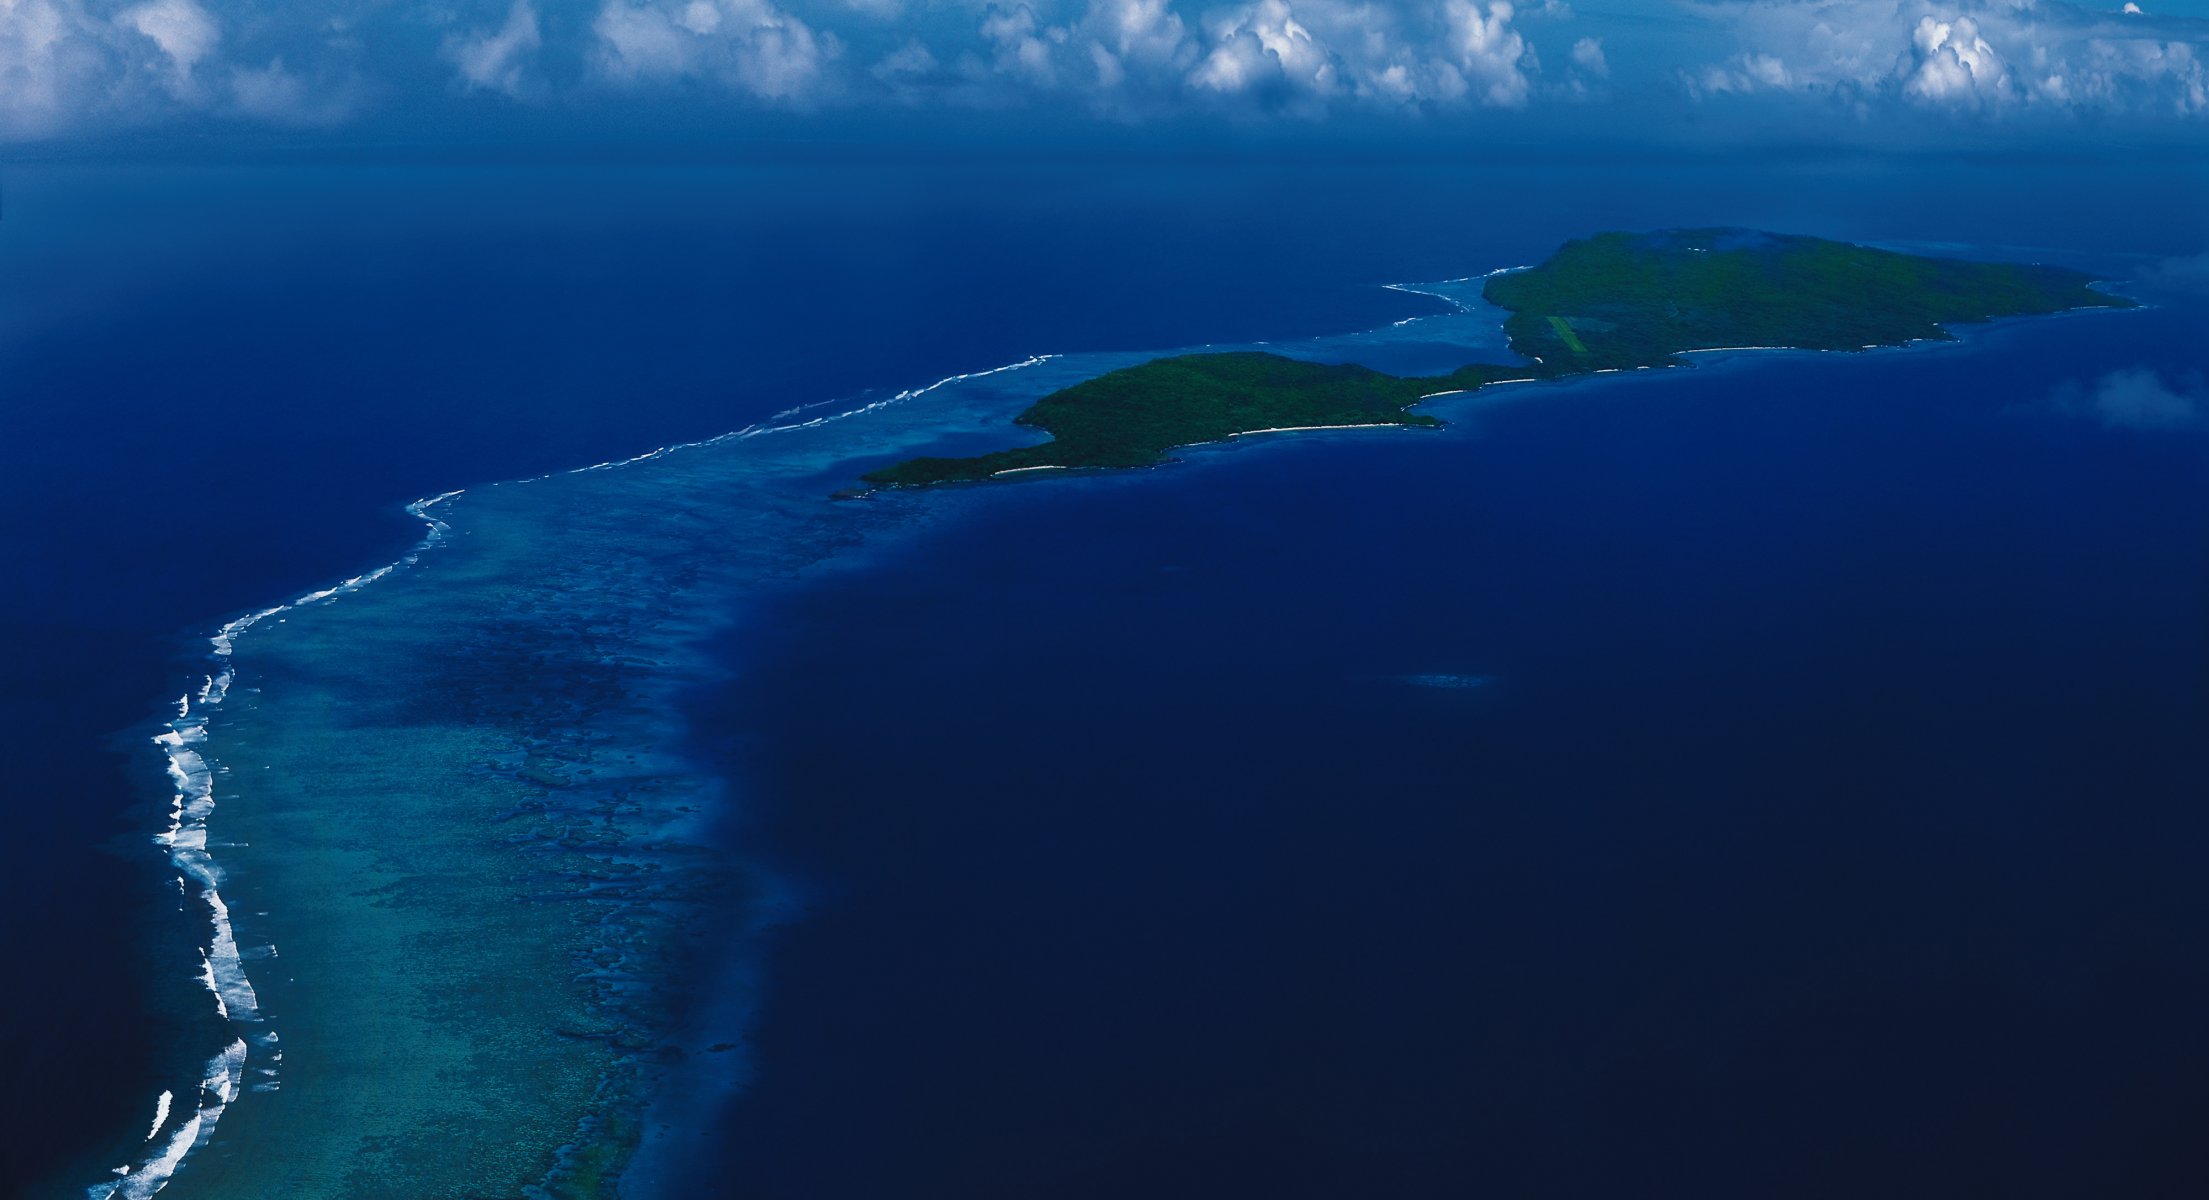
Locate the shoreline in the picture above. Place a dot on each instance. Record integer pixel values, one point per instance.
(1311, 428)
(1968, 330)
(1663, 296)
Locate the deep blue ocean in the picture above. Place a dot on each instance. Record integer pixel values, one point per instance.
(1776, 777)
(1782, 778)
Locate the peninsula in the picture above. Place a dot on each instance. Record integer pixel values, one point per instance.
(1615, 301)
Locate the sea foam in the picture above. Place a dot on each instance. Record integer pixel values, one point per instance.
(222, 964)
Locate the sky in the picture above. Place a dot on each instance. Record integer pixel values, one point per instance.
(1927, 73)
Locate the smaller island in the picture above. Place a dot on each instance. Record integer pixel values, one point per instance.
(1616, 301)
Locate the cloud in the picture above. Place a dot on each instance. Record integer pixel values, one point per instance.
(184, 31)
(1741, 74)
(910, 61)
(1494, 56)
(1142, 44)
(497, 60)
(1143, 31)
(1262, 47)
(1324, 54)
(38, 64)
(276, 95)
(2137, 398)
(1954, 63)
(90, 65)
(1587, 54)
(1306, 58)
(1023, 45)
(749, 46)
(1956, 56)
(1123, 57)
(62, 66)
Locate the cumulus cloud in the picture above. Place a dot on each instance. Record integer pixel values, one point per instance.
(751, 46)
(1987, 56)
(1139, 31)
(2137, 398)
(39, 60)
(84, 64)
(1263, 47)
(1587, 54)
(1306, 57)
(1466, 54)
(62, 65)
(1134, 46)
(1742, 73)
(274, 94)
(184, 31)
(1023, 44)
(1494, 56)
(909, 62)
(1953, 62)
(497, 60)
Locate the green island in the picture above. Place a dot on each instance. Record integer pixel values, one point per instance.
(1615, 301)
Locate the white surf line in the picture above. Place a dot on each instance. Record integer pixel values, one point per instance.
(1422, 289)
(1242, 433)
(1492, 274)
(1314, 428)
(757, 430)
(218, 1087)
(222, 965)
(1412, 289)
(909, 394)
(1464, 278)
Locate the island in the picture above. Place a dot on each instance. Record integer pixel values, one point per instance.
(1612, 302)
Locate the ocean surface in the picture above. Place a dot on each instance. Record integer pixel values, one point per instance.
(1779, 778)
(1776, 775)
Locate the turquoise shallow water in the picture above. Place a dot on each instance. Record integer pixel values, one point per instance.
(442, 813)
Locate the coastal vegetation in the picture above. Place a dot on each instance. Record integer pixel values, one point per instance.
(1621, 300)
(1133, 417)
(1615, 301)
